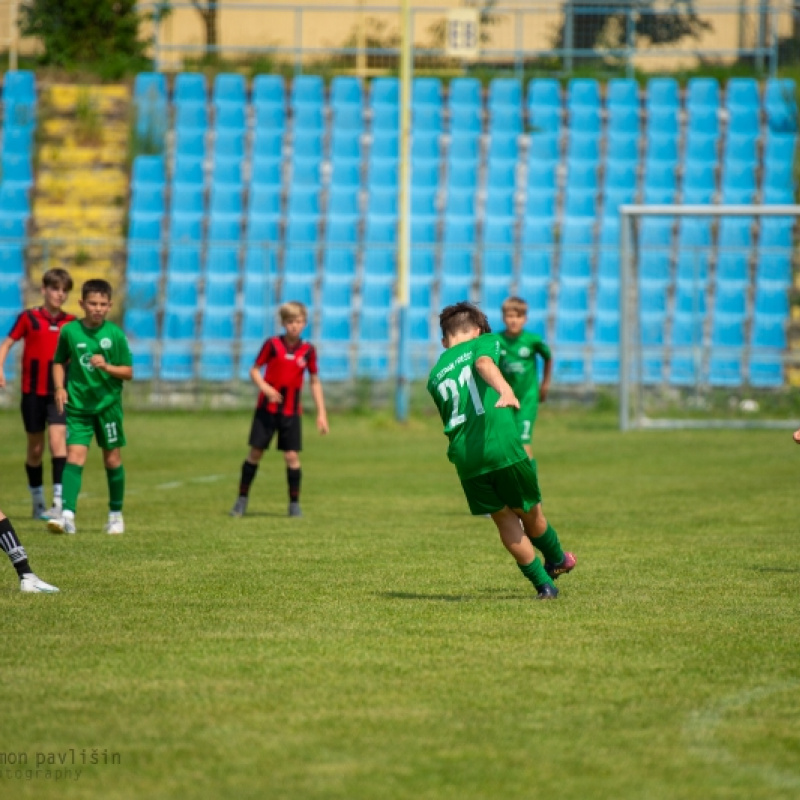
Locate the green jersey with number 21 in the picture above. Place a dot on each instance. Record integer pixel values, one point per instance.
(482, 438)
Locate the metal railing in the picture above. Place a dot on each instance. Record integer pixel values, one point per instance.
(517, 38)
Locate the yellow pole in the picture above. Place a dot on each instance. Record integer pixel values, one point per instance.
(404, 233)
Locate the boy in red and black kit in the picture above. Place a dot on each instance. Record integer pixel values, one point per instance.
(40, 328)
(278, 410)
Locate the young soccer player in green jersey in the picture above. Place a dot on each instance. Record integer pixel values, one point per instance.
(476, 405)
(519, 349)
(100, 360)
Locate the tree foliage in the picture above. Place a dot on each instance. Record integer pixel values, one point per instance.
(209, 13)
(605, 25)
(84, 32)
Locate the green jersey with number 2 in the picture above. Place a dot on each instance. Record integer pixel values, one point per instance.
(91, 389)
(482, 438)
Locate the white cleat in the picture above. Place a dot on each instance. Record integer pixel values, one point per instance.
(115, 523)
(35, 585)
(51, 513)
(63, 524)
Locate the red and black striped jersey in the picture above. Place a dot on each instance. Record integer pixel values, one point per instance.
(40, 330)
(285, 368)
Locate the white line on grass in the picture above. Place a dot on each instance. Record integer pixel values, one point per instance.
(200, 479)
(701, 730)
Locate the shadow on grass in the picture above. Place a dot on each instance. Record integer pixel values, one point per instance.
(490, 595)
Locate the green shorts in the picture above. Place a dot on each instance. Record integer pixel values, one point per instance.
(515, 486)
(105, 426)
(526, 417)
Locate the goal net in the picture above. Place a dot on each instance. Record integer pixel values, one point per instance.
(705, 316)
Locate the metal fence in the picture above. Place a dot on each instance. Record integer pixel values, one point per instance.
(536, 36)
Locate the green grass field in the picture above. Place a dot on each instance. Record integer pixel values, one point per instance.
(385, 645)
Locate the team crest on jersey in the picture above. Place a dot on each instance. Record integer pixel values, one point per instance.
(524, 352)
(301, 362)
(105, 343)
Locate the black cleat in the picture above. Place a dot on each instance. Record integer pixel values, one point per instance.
(547, 592)
(567, 564)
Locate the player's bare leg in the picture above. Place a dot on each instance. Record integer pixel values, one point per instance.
(249, 469)
(33, 467)
(544, 537)
(73, 475)
(293, 479)
(519, 545)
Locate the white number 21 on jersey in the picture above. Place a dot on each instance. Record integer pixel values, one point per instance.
(450, 387)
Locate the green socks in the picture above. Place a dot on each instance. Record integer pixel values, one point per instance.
(116, 487)
(535, 573)
(71, 483)
(549, 545)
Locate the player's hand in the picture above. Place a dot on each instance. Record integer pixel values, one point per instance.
(322, 424)
(273, 395)
(507, 400)
(60, 396)
(98, 361)
(2, 379)
(543, 390)
(796, 436)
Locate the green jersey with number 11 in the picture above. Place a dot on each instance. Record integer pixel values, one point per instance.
(91, 389)
(482, 438)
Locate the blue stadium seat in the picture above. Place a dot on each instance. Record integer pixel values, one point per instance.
(769, 332)
(17, 169)
(457, 262)
(662, 93)
(308, 119)
(580, 203)
(227, 174)
(144, 227)
(256, 327)
(544, 147)
(148, 171)
(336, 325)
(735, 232)
(298, 289)
(464, 92)
(336, 293)
(188, 170)
(505, 118)
(703, 121)
(742, 94)
(766, 371)
(702, 92)
(229, 144)
(298, 260)
(744, 123)
(19, 86)
(505, 92)
(12, 263)
(771, 300)
(226, 199)
(346, 90)
(659, 181)
(693, 266)
(221, 292)
(191, 116)
(729, 299)
(583, 92)
(270, 117)
(586, 120)
(543, 175)
(582, 175)
(18, 141)
(222, 259)
(662, 148)
(500, 203)
(540, 203)
(179, 321)
(427, 120)
(583, 147)
(780, 105)
(620, 175)
(142, 291)
(187, 199)
(302, 228)
(230, 117)
(229, 87)
(143, 359)
(544, 93)
(262, 226)
(186, 227)
(774, 268)
(217, 325)
(727, 330)
(663, 122)
(465, 119)
(190, 87)
(307, 90)
(268, 89)
(654, 267)
(623, 147)
(146, 199)
(623, 119)
(266, 172)
(724, 369)
(217, 362)
(177, 361)
(740, 147)
(738, 176)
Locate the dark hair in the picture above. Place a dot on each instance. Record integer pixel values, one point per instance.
(96, 286)
(461, 317)
(57, 279)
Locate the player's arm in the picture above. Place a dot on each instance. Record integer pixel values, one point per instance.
(59, 392)
(544, 387)
(490, 372)
(8, 343)
(122, 373)
(319, 401)
(270, 392)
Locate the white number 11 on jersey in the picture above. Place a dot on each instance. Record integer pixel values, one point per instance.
(450, 387)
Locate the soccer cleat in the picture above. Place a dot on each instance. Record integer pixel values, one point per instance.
(567, 564)
(35, 585)
(39, 509)
(115, 523)
(546, 592)
(63, 524)
(51, 513)
(239, 507)
(294, 509)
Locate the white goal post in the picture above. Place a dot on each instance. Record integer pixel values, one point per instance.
(694, 372)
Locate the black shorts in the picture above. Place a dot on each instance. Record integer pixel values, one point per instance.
(39, 410)
(266, 424)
